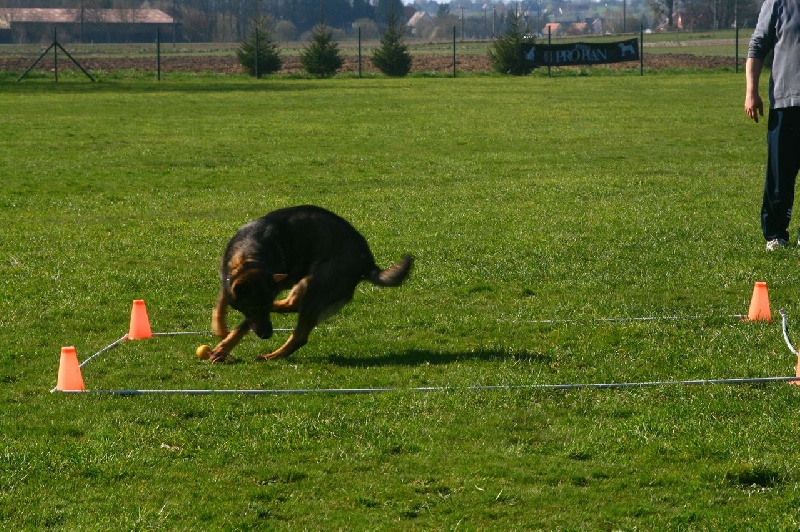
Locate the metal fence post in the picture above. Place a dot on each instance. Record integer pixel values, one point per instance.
(158, 54)
(641, 50)
(255, 68)
(454, 51)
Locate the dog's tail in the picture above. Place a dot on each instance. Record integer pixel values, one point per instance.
(394, 275)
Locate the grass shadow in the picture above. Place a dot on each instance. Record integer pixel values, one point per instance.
(420, 357)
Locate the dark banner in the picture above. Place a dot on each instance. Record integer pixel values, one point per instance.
(581, 53)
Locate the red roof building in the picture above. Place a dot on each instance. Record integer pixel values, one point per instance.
(113, 25)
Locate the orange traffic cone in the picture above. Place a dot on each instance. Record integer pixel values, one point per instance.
(759, 304)
(140, 325)
(69, 372)
(797, 372)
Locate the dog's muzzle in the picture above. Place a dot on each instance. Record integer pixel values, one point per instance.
(263, 330)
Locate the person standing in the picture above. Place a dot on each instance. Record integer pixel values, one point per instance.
(777, 31)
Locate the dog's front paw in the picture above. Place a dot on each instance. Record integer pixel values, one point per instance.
(219, 355)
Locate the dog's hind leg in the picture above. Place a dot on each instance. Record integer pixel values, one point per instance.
(292, 302)
(298, 338)
(224, 348)
(306, 321)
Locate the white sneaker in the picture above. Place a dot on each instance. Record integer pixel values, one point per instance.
(776, 243)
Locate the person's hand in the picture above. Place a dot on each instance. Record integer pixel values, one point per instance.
(753, 106)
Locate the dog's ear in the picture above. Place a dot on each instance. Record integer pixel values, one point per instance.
(235, 287)
(242, 281)
(278, 277)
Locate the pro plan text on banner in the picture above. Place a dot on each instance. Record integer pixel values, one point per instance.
(581, 53)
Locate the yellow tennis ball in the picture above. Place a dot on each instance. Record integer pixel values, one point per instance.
(203, 352)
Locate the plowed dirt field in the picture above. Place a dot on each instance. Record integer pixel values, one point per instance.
(224, 64)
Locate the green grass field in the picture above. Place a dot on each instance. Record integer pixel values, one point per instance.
(570, 199)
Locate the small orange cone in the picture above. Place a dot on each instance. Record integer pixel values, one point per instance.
(797, 372)
(69, 372)
(759, 304)
(140, 325)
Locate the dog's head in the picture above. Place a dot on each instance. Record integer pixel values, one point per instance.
(252, 292)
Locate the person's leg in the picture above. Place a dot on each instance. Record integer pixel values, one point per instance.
(783, 156)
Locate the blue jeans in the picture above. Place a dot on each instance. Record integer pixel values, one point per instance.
(783, 163)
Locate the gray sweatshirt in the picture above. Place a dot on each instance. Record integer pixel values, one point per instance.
(778, 29)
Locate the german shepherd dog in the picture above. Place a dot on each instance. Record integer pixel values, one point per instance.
(307, 249)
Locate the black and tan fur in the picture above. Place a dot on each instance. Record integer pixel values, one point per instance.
(308, 250)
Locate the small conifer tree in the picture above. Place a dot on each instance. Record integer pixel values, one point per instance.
(321, 58)
(507, 52)
(258, 55)
(392, 57)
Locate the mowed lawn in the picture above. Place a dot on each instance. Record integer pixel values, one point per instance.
(536, 208)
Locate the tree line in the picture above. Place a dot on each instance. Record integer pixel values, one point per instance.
(292, 20)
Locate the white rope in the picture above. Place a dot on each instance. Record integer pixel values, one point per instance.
(522, 387)
(178, 333)
(566, 386)
(786, 332)
(106, 348)
(125, 337)
(622, 320)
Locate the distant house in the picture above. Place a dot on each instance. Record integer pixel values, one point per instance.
(418, 18)
(103, 25)
(677, 23)
(551, 28)
(577, 28)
